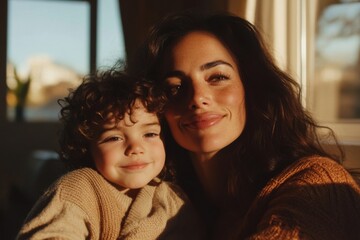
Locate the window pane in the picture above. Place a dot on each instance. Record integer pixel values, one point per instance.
(110, 34)
(48, 47)
(337, 63)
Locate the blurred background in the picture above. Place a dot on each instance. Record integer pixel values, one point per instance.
(47, 46)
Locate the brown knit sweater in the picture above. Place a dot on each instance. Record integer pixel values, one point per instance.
(315, 198)
(83, 205)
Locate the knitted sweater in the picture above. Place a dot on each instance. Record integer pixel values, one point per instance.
(315, 198)
(83, 205)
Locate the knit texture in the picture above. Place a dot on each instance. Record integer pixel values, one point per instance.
(315, 198)
(83, 205)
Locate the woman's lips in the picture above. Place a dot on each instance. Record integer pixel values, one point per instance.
(202, 121)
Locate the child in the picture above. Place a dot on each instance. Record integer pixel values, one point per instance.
(111, 138)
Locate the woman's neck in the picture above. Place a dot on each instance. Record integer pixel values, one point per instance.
(211, 171)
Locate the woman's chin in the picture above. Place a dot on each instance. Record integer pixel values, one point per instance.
(207, 147)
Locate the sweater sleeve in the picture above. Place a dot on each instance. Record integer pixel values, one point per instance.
(80, 205)
(53, 218)
(321, 201)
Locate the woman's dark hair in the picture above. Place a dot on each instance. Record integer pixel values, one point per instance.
(278, 130)
(86, 108)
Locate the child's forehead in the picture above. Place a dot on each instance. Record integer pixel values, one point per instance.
(136, 114)
(116, 111)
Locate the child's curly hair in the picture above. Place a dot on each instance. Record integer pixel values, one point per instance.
(86, 108)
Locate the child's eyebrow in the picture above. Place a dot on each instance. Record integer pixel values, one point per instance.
(151, 124)
(107, 129)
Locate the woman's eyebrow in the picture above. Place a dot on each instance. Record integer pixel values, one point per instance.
(177, 73)
(174, 73)
(213, 64)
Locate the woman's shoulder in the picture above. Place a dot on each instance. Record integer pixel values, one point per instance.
(316, 170)
(311, 190)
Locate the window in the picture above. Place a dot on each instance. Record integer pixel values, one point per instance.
(110, 37)
(337, 63)
(333, 66)
(48, 48)
(51, 47)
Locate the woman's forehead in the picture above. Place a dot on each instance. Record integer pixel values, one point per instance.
(196, 49)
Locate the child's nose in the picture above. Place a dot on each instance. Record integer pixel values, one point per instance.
(134, 147)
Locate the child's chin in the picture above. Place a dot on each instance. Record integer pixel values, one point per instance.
(136, 184)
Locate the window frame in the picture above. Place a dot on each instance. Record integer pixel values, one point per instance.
(348, 133)
(3, 50)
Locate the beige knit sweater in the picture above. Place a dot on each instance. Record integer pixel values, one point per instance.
(83, 205)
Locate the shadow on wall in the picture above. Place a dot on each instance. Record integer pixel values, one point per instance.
(43, 168)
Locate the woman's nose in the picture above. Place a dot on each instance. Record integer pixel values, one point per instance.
(134, 147)
(200, 96)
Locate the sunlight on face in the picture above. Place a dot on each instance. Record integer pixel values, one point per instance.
(207, 108)
(131, 153)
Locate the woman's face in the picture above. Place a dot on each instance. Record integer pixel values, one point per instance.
(207, 102)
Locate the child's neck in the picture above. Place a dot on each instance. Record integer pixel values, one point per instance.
(132, 193)
(128, 191)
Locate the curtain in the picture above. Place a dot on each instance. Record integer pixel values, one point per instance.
(138, 15)
(279, 21)
(288, 30)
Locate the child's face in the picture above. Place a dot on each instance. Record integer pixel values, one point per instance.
(131, 153)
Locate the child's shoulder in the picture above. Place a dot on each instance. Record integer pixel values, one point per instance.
(80, 176)
(79, 182)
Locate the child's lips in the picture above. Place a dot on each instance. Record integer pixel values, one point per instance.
(135, 166)
(203, 121)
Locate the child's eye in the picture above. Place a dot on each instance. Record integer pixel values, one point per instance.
(151, 135)
(112, 139)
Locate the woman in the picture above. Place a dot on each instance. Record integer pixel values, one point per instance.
(244, 148)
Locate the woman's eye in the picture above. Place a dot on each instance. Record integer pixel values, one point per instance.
(173, 91)
(218, 77)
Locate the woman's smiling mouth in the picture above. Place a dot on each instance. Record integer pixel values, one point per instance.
(203, 121)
